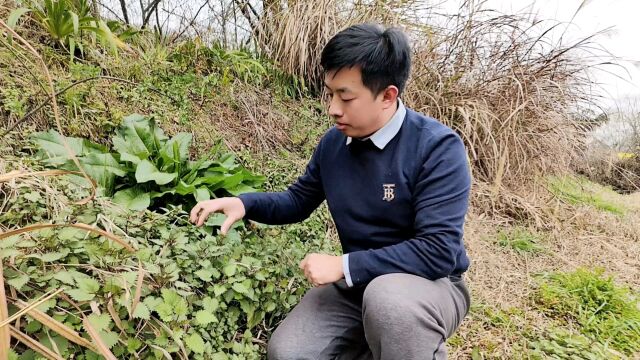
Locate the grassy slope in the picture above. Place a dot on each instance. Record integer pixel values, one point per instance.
(587, 225)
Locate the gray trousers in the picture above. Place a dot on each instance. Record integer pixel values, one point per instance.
(397, 316)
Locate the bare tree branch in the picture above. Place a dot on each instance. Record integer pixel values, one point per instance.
(193, 20)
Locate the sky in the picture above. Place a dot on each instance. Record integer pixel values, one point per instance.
(620, 19)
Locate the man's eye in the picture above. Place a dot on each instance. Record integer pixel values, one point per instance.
(346, 100)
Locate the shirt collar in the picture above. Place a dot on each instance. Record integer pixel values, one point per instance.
(382, 137)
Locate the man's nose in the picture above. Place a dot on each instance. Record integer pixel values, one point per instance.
(334, 109)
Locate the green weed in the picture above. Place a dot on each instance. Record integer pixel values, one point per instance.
(520, 240)
(602, 311)
(579, 191)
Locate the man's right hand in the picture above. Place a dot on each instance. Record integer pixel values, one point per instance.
(232, 207)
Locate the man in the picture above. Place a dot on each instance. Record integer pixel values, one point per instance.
(397, 186)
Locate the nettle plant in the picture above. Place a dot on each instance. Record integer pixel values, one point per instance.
(148, 169)
(200, 296)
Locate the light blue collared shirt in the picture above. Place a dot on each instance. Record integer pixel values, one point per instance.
(380, 139)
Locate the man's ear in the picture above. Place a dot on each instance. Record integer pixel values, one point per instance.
(390, 96)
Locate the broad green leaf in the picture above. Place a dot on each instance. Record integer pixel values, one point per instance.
(100, 322)
(76, 22)
(155, 194)
(146, 171)
(202, 194)
(88, 284)
(195, 343)
(181, 307)
(52, 147)
(219, 356)
(170, 296)
(210, 304)
(13, 20)
(125, 156)
(184, 189)
(10, 241)
(230, 270)
(233, 180)
(45, 306)
(132, 198)
(110, 338)
(239, 288)
(65, 277)
(216, 219)
(7, 253)
(204, 317)
(141, 312)
(54, 256)
(108, 37)
(227, 161)
(241, 189)
(138, 136)
(165, 311)
(219, 289)
(70, 233)
(204, 275)
(152, 302)
(80, 295)
(15, 16)
(176, 150)
(103, 168)
(19, 281)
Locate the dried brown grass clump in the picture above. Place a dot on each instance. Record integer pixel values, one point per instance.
(293, 35)
(507, 89)
(508, 93)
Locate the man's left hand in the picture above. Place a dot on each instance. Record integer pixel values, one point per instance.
(321, 269)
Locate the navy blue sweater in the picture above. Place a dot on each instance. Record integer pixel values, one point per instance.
(415, 226)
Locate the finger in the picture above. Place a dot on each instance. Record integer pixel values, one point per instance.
(226, 225)
(303, 263)
(204, 214)
(194, 213)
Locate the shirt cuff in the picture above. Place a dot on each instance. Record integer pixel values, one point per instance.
(345, 269)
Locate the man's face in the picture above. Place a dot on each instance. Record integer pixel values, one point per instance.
(356, 112)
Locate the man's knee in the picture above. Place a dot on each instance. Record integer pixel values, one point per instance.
(280, 346)
(390, 301)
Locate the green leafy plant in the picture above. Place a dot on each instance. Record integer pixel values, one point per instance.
(229, 64)
(605, 312)
(149, 168)
(66, 21)
(202, 296)
(580, 191)
(564, 344)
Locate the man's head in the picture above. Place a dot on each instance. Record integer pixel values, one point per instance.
(366, 68)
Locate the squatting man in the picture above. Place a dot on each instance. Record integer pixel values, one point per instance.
(397, 185)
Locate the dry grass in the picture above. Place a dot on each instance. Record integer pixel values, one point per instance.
(503, 280)
(504, 87)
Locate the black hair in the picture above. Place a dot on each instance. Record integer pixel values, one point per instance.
(383, 55)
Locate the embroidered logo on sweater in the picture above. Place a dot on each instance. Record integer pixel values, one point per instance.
(389, 193)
